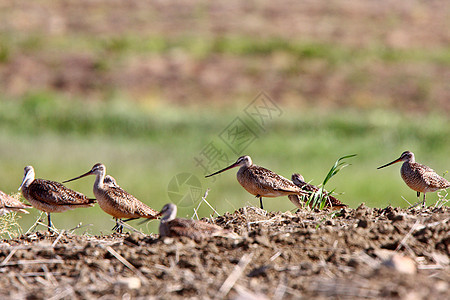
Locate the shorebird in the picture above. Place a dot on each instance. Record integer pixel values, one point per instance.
(171, 226)
(299, 181)
(110, 181)
(418, 177)
(10, 204)
(113, 200)
(260, 181)
(51, 196)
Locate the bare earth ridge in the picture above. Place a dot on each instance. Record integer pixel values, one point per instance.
(363, 253)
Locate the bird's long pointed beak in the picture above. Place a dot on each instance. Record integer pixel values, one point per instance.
(25, 178)
(81, 176)
(391, 163)
(23, 181)
(223, 170)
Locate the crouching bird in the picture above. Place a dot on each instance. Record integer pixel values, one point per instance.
(171, 226)
(10, 204)
(299, 181)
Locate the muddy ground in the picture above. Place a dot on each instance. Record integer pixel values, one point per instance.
(280, 256)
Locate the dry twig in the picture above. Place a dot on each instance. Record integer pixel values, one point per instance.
(234, 276)
(126, 263)
(58, 238)
(35, 261)
(5, 261)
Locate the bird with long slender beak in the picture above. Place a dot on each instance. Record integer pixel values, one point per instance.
(298, 180)
(10, 204)
(260, 181)
(171, 226)
(115, 201)
(51, 196)
(418, 177)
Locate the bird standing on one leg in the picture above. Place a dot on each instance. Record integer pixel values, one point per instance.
(260, 181)
(418, 177)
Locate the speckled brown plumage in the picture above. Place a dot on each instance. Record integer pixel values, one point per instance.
(298, 201)
(109, 180)
(115, 201)
(120, 204)
(418, 177)
(196, 230)
(11, 204)
(421, 178)
(171, 226)
(50, 196)
(260, 181)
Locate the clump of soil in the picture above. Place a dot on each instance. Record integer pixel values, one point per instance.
(363, 252)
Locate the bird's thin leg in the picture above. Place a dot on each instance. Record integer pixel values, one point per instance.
(49, 222)
(260, 202)
(129, 219)
(423, 203)
(418, 194)
(117, 226)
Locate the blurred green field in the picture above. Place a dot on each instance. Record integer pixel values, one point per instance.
(144, 147)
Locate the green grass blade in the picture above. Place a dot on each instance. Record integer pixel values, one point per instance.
(318, 198)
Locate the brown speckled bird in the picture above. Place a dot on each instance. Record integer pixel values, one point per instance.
(299, 181)
(171, 226)
(113, 200)
(110, 181)
(418, 177)
(10, 204)
(260, 181)
(51, 196)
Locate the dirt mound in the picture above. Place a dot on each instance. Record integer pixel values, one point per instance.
(363, 252)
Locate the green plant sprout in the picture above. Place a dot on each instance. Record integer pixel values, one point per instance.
(318, 199)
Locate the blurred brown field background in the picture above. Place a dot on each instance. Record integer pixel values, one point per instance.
(144, 87)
